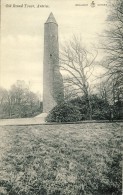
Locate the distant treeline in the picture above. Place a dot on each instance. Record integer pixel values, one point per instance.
(19, 102)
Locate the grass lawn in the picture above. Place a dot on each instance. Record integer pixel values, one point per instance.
(71, 159)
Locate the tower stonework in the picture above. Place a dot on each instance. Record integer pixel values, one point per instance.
(52, 79)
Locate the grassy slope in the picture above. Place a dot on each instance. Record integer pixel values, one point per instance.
(61, 159)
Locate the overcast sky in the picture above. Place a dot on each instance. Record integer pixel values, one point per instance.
(23, 32)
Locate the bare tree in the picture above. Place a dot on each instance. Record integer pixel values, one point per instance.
(69, 91)
(113, 44)
(3, 95)
(3, 101)
(19, 101)
(78, 64)
(106, 91)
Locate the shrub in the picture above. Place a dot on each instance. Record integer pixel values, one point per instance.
(118, 109)
(80, 102)
(100, 108)
(64, 112)
(100, 114)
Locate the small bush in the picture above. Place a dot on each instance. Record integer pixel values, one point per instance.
(100, 114)
(64, 112)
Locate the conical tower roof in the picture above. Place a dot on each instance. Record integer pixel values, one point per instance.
(51, 19)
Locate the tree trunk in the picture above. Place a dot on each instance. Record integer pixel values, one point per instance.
(89, 107)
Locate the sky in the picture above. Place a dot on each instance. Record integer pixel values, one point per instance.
(22, 34)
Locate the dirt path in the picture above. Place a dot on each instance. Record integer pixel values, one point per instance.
(22, 121)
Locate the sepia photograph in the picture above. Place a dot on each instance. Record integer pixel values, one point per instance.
(61, 97)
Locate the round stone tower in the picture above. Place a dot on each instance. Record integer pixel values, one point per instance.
(52, 80)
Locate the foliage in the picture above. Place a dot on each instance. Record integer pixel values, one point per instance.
(100, 108)
(62, 159)
(80, 102)
(118, 109)
(64, 112)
